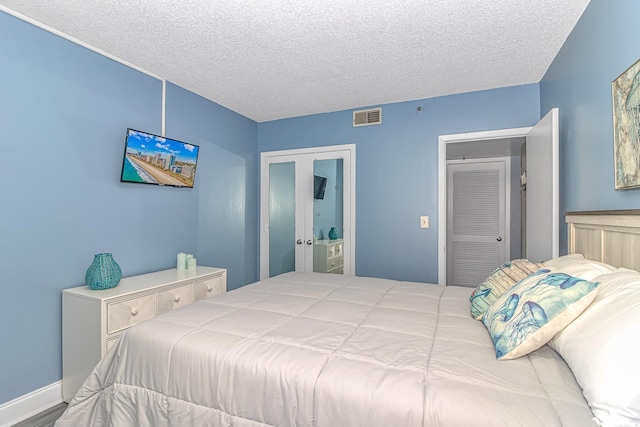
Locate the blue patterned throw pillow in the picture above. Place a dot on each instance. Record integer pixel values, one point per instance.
(499, 282)
(527, 316)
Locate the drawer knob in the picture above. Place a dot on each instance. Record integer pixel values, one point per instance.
(134, 311)
(209, 288)
(177, 299)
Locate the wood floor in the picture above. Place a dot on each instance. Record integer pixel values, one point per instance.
(45, 418)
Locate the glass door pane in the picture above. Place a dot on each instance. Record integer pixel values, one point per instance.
(328, 215)
(282, 218)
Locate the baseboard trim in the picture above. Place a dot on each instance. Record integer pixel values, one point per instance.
(23, 407)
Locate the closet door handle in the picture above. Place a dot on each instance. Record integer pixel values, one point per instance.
(299, 241)
(309, 242)
(499, 239)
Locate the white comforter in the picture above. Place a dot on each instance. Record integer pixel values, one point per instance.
(327, 351)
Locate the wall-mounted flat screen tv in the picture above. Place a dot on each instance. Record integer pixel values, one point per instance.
(154, 159)
(319, 186)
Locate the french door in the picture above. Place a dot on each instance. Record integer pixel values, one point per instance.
(304, 195)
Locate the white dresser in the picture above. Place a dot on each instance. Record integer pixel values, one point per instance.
(92, 321)
(328, 256)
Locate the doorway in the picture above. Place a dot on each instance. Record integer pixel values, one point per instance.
(540, 217)
(307, 211)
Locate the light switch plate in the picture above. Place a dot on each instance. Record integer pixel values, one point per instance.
(424, 222)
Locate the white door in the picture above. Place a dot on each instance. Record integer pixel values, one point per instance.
(542, 193)
(286, 216)
(287, 210)
(478, 237)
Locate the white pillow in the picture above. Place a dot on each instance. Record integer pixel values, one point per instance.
(577, 265)
(564, 260)
(602, 348)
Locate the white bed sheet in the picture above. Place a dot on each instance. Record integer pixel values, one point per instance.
(309, 349)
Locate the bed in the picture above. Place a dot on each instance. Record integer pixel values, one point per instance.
(312, 349)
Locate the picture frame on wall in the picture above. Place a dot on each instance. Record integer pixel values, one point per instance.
(625, 93)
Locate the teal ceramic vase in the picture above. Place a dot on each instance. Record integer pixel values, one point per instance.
(332, 234)
(103, 273)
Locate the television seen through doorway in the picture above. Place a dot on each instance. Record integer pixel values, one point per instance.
(319, 186)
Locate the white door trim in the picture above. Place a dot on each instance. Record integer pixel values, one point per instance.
(349, 224)
(443, 140)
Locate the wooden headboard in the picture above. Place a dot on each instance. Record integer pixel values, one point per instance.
(612, 237)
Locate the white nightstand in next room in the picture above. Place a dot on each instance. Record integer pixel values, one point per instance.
(328, 256)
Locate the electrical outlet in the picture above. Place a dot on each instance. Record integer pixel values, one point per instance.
(424, 222)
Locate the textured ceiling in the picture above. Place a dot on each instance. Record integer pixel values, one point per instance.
(284, 58)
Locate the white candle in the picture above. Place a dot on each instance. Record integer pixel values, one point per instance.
(191, 263)
(182, 261)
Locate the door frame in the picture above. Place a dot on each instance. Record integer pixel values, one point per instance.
(349, 220)
(443, 140)
(506, 161)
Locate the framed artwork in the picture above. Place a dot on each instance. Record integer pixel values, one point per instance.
(625, 91)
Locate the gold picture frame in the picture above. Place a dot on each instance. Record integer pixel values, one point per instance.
(625, 94)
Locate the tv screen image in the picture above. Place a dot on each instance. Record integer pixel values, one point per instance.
(319, 185)
(154, 159)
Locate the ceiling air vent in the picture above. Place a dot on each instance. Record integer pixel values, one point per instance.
(367, 117)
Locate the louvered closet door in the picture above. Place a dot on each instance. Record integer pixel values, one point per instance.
(476, 232)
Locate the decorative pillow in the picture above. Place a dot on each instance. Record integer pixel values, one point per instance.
(578, 266)
(602, 346)
(498, 282)
(534, 310)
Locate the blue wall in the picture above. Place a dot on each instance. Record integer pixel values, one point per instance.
(603, 44)
(226, 183)
(64, 111)
(397, 168)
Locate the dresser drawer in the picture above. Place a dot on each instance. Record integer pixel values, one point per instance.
(175, 298)
(339, 270)
(334, 263)
(210, 287)
(111, 342)
(337, 249)
(121, 315)
(331, 251)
